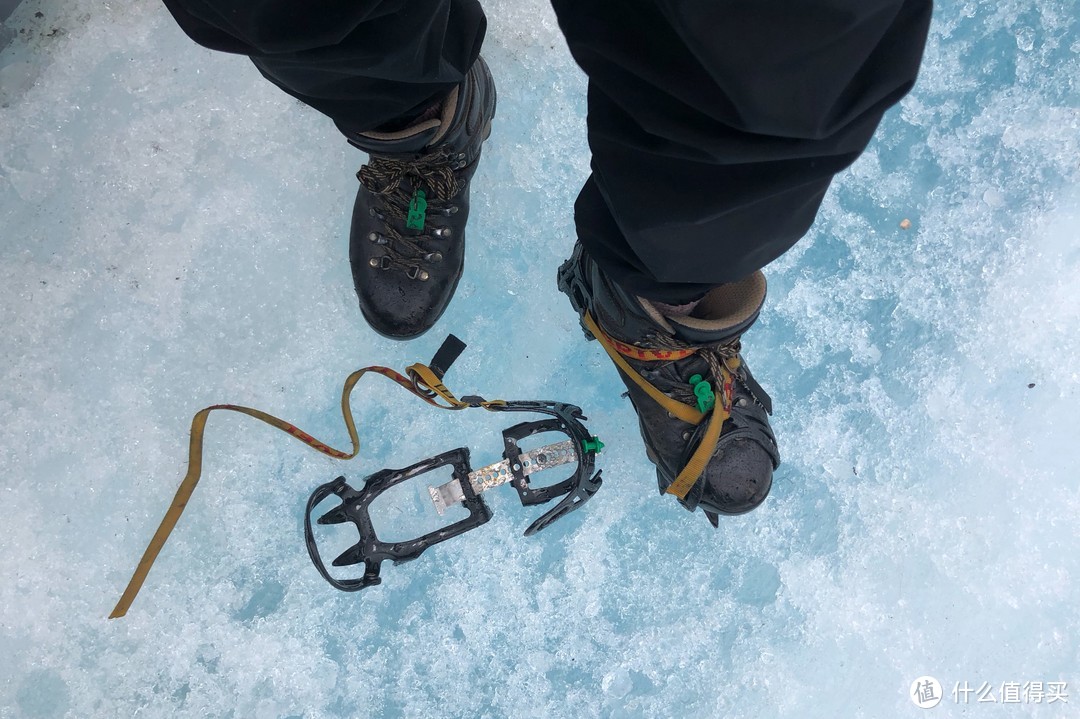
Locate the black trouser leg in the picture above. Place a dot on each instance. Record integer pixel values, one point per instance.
(716, 126)
(361, 63)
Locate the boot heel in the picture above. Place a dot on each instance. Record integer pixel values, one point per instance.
(571, 285)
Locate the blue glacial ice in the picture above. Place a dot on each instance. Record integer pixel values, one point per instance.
(174, 236)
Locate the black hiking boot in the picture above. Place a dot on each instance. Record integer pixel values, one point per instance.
(407, 245)
(703, 417)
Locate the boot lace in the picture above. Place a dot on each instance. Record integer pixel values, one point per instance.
(722, 359)
(394, 180)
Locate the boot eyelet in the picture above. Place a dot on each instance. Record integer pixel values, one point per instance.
(382, 263)
(415, 273)
(685, 436)
(740, 402)
(377, 238)
(442, 233)
(433, 257)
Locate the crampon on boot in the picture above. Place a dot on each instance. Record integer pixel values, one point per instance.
(407, 244)
(703, 417)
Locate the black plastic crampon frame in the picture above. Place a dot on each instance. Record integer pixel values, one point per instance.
(464, 488)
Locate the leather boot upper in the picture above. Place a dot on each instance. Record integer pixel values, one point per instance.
(738, 476)
(407, 243)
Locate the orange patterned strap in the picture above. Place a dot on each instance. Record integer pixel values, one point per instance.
(645, 354)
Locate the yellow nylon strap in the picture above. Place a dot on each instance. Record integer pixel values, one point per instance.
(689, 474)
(195, 449)
(685, 412)
(424, 374)
(721, 411)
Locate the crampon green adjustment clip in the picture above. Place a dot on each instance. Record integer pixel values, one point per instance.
(417, 211)
(704, 393)
(592, 444)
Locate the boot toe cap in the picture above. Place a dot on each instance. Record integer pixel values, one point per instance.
(398, 310)
(395, 327)
(738, 479)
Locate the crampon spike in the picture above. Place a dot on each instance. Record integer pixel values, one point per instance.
(352, 555)
(334, 516)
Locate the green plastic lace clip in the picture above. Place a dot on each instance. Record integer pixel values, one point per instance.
(592, 444)
(417, 211)
(706, 400)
